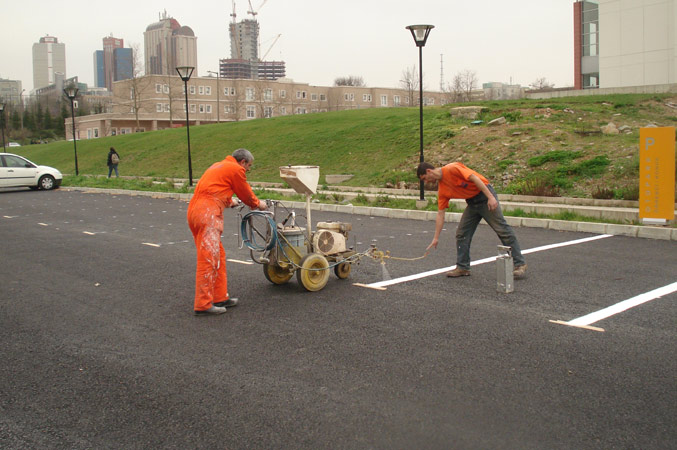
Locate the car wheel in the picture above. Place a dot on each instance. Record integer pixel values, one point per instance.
(46, 182)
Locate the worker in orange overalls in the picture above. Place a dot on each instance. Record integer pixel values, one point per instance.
(213, 193)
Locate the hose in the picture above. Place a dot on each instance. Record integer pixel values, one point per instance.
(249, 238)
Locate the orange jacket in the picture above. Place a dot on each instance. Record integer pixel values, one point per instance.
(455, 183)
(221, 181)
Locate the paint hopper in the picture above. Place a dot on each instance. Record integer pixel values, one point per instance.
(303, 179)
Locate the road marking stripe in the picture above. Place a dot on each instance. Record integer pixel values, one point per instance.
(43, 224)
(240, 262)
(482, 261)
(10, 217)
(623, 306)
(150, 244)
(89, 233)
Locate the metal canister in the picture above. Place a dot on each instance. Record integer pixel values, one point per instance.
(505, 280)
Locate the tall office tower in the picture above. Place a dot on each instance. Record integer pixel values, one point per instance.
(110, 44)
(113, 63)
(99, 70)
(49, 57)
(169, 45)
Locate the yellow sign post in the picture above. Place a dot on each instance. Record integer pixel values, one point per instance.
(657, 174)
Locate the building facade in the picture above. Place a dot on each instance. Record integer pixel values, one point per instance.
(624, 43)
(168, 45)
(49, 57)
(160, 102)
(11, 92)
(113, 63)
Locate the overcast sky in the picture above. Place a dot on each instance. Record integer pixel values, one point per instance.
(320, 40)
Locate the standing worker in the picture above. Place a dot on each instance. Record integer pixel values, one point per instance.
(213, 193)
(113, 161)
(457, 181)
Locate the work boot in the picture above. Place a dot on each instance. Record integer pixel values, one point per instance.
(458, 272)
(520, 271)
(214, 310)
(227, 303)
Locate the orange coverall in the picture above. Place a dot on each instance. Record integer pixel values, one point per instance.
(213, 194)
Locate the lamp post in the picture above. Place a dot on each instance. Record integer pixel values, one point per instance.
(2, 124)
(420, 34)
(71, 92)
(218, 95)
(185, 73)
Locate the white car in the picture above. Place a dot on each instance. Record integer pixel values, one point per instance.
(17, 171)
(14, 144)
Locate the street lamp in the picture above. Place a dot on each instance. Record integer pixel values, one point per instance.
(420, 34)
(71, 92)
(218, 94)
(2, 124)
(185, 72)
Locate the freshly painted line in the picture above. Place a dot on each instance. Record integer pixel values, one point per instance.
(89, 233)
(624, 305)
(240, 262)
(149, 244)
(482, 261)
(587, 327)
(10, 217)
(43, 224)
(369, 287)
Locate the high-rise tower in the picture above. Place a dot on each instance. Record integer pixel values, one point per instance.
(168, 45)
(49, 57)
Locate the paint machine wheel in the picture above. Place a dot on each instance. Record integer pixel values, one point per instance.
(316, 278)
(276, 274)
(342, 270)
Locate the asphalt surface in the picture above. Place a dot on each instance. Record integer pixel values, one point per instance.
(100, 348)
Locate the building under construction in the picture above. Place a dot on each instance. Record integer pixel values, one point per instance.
(245, 61)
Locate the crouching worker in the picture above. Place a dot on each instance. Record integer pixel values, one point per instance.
(455, 180)
(213, 193)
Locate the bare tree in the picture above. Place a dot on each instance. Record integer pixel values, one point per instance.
(541, 83)
(350, 80)
(137, 83)
(464, 83)
(409, 83)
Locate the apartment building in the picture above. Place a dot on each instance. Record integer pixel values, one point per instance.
(156, 102)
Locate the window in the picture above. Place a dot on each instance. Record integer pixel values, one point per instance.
(201, 90)
(283, 110)
(229, 91)
(384, 100)
(165, 89)
(192, 108)
(366, 98)
(202, 109)
(313, 97)
(300, 94)
(301, 110)
(249, 94)
(208, 90)
(396, 100)
(96, 132)
(268, 95)
(192, 90)
(158, 88)
(323, 97)
(131, 94)
(228, 109)
(268, 111)
(125, 131)
(158, 107)
(167, 107)
(208, 109)
(349, 97)
(251, 112)
(283, 93)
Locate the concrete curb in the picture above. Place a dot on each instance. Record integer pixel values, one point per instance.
(644, 231)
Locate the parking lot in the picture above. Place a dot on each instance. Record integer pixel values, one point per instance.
(101, 349)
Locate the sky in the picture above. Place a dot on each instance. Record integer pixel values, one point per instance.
(501, 41)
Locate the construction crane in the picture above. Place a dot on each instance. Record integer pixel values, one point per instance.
(253, 11)
(271, 47)
(233, 28)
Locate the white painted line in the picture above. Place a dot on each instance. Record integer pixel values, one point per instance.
(89, 233)
(482, 261)
(10, 217)
(624, 305)
(43, 224)
(249, 263)
(150, 244)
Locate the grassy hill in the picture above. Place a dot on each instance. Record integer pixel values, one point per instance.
(549, 145)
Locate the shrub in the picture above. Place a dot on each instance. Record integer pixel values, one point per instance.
(535, 186)
(603, 193)
(554, 155)
(505, 163)
(630, 193)
(589, 168)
